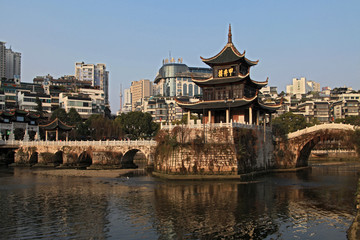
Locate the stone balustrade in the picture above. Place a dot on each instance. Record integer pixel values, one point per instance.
(333, 151)
(81, 143)
(324, 126)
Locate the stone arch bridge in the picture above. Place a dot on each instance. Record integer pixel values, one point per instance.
(95, 153)
(294, 151)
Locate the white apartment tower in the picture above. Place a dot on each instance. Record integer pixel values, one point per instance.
(97, 74)
(302, 86)
(127, 101)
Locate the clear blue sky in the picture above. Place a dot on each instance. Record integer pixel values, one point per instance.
(319, 40)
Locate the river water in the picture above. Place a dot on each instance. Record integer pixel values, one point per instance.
(312, 204)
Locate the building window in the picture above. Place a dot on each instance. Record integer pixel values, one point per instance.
(184, 90)
(19, 118)
(191, 90)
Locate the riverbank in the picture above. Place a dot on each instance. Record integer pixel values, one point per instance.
(111, 173)
(241, 177)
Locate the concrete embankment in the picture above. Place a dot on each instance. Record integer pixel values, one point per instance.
(354, 231)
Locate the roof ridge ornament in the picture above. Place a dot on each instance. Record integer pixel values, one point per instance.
(229, 35)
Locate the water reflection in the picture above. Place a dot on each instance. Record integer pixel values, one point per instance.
(306, 205)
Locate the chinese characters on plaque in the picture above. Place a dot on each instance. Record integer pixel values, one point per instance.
(227, 72)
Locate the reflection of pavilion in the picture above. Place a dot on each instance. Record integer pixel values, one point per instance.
(55, 126)
(230, 94)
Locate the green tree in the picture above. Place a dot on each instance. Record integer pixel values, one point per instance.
(107, 113)
(138, 125)
(287, 123)
(353, 120)
(59, 113)
(39, 107)
(73, 117)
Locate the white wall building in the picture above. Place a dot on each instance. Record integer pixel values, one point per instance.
(97, 98)
(2, 100)
(127, 101)
(302, 86)
(83, 105)
(97, 74)
(27, 101)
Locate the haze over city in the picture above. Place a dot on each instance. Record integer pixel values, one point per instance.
(318, 40)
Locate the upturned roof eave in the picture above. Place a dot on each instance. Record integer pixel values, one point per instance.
(216, 104)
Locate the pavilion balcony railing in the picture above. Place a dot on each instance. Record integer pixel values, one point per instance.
(79, 143)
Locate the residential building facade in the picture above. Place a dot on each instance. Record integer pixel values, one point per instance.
(140, 89)
(27, 101)
(302, 86)
(127, 101)
(2, 59)
(97, 74)
(82, 104)
(13, 64)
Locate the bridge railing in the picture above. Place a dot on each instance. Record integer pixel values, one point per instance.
(339, 126)
(81, 143)
(333, 151)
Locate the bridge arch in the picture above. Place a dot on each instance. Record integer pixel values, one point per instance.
(299, 144)
(84, 159)
(34, 158)
(58, 157)
(133, 157)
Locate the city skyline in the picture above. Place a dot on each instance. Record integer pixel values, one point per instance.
(317, 40)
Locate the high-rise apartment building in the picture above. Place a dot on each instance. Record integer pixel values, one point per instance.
(127, 101)
(97, 74)
(2, 59)
(13, 64)
(139, 90)
(10, 63)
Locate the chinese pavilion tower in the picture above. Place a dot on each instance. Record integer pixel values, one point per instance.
(230, 95)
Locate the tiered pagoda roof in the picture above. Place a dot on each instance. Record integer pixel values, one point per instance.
(230, 67)
(229, 54)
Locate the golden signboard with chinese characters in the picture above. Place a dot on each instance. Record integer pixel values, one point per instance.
(227, 72)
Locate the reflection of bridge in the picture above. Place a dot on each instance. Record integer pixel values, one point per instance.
(80, 152)
(294, 151)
